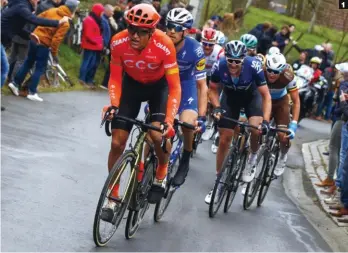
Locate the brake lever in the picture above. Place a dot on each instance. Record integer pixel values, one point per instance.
(107, 114)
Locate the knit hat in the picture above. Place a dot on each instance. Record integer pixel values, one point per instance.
(72, 5)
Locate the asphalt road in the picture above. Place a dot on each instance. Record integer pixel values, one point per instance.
(54, 158)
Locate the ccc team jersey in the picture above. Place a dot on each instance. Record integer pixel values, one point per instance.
(218, 51)
(147, 66)
(251, 75)
(286, 82)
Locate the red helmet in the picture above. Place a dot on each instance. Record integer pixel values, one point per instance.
(209, 35)
(143, 15)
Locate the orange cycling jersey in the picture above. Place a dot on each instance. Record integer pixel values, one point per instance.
(147, 66)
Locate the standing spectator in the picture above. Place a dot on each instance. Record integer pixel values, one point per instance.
(311, 52)
(260, 29)
(164, 11)
(46, 39)
(292, 28)
(157, 5)
(92, 45)
(327, 56)
(20, 46)
(217, 21)
(281, 39)
(302, 60)
(266, 40)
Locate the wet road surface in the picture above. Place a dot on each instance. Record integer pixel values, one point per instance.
(54, 158)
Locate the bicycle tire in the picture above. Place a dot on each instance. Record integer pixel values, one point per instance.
(267, 178)
(135, 217)
(235, 178)
(254, 185)
(221, 179)
(113, 176)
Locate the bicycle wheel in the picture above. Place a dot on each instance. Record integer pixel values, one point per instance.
(235, 179)
(220, 187)
(140, 198)
(254, 185)
(128, 158)
(162, 206)
(268, 175)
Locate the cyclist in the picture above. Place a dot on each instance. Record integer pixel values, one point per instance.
(143, 68)
(244, 86)
(212, 52)
(250, 42)
(280, 80)
(191, 61)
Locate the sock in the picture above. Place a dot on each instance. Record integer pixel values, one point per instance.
(161, 171)
(140, 171)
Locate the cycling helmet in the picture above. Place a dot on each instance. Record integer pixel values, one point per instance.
(316, 60)
(209, 35)
(273, 50)
(221, 39)
(143, 15)
(180, 16)
(249, 40)
(235, 49)
(276, 61)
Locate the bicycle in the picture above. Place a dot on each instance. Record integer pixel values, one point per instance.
(197, 139)
(232, 169)
(162, 206)
(135, 192)
(271, 155)
(264, 155)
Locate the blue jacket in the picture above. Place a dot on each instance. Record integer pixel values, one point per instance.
(280, 39)
(106, 30)
(16, 16)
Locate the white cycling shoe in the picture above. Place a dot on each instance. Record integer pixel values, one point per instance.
(280, 168)
(250, 169)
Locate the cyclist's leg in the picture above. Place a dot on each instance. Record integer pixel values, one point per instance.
(253, 111)
(188, 113)
(282, 118)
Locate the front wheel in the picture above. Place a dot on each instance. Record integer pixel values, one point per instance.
(124, 164)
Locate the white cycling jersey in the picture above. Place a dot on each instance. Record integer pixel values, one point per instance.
(218, 51)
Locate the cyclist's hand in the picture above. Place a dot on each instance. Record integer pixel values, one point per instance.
(292, 130)
(35, 38)
(112, 112)
(264, 127)
(200, 123)
(169, 131)
(146, 108)
(217, 113)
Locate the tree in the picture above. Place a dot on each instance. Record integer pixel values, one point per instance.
(315, 5)
(299, 8)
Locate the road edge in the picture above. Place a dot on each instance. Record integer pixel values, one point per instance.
(293, 183)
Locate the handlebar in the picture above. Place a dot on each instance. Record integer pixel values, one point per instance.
(282, 130)
(239, 123)
(184, 124)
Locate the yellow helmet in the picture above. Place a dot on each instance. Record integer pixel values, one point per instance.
(316, 60)
(262, 58)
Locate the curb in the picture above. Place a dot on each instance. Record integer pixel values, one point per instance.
(316, 167)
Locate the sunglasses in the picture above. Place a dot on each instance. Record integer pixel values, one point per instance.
(137, 30)
(207, 44)
(177, 28)
(271, 71)
(236, 61)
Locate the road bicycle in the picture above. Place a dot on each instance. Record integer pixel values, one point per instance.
(228, 180)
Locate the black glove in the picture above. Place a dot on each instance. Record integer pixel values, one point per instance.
(265, 127)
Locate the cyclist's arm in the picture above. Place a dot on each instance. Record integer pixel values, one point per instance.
(294, 95)
(214, 86)
(59, 37)
(259, 77)
(173, 79)
(202, 88)
(115, 81)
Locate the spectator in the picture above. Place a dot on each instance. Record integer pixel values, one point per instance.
(344, 192)
(217, 21)
(281, 39)
(292, 28)
(92, 45)
(260, 29)
(157, 5)
(164, 11)
(119, 18)
(296, 65)
(327, 56)
(311, 52)
(106, 29)
(266, 40)
(20, 46)
(46, 39)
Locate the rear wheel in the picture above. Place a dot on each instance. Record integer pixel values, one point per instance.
(124, 164)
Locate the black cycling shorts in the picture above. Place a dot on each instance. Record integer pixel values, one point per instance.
(232, 101)
(134, 93)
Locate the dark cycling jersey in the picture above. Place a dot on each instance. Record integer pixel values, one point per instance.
(191, 61)
(251, 76)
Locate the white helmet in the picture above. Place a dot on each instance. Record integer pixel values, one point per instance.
(180, 16)
(221, 38)
(276, 61)
(273, 50)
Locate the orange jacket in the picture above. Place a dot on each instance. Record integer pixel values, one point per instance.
(52, 36)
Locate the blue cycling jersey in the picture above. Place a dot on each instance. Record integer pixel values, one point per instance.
(191, 61)
(251, 75)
